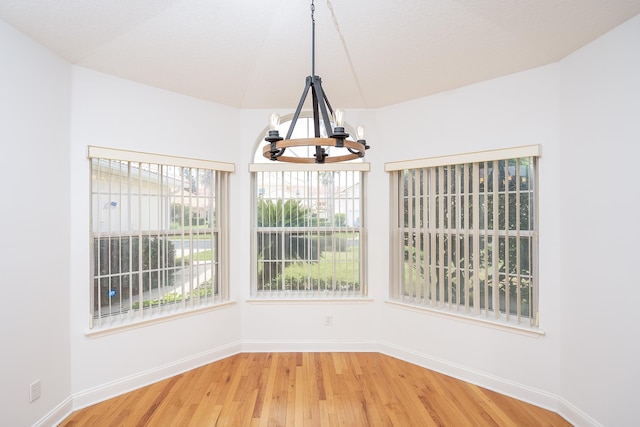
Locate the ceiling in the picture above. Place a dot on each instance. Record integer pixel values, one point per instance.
(369, 53)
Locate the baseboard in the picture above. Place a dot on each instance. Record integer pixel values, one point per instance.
(56, 415)
(576, 416)
(537, 397)
(249, 346)
(133, 382)
(500, 385)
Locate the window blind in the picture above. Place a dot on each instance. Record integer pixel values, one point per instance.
(465, 233)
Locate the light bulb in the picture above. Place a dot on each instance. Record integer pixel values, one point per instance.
(274, 121)
(338, 116)
(360, 133)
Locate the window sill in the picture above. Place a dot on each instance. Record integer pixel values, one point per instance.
(117, 327)
(311, 300)
(476, 320)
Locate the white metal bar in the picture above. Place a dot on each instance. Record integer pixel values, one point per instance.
(532, 186)
(475, 226)
(433, 231)
(438, 227)
(363, 255)
(495, 252)
(109, 269)
(140, 272)
(460, 233)
(518, 266)
(467, 210)
(131, 275)
(120, 233)
(410, 225)
(452, 225)
(485, 237)
(507, 268)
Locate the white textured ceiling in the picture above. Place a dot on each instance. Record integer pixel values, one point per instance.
(369, 53)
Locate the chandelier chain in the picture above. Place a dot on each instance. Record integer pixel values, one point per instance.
(313, 39)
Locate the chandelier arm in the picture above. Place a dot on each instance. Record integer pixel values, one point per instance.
(320, 154)
(296, 115)
(326, 101)
(321, 103)
(316, 117)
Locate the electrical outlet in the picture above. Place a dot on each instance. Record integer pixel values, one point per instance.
(328, 320)
(34, 391)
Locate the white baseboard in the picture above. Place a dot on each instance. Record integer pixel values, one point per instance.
(576, 416)
(56, 415)
(124, 385)
(309, 346)
(500, 385)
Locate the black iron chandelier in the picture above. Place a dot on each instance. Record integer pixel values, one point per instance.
(336, 137)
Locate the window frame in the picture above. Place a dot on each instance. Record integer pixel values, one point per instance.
(137, 314)
(435, 302)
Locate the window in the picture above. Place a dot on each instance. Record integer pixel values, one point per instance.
(465, 234)
(308, 228)
(158, 235)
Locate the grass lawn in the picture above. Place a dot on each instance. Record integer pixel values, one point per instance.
(342, 267)
(205, 255)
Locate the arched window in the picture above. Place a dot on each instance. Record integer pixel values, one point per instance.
(307, 225)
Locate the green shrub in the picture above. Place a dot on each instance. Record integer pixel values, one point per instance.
(122, 260)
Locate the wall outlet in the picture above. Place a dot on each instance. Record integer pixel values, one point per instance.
(34, 391)
(328, 320)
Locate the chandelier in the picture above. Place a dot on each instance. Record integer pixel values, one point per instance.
(336, 136)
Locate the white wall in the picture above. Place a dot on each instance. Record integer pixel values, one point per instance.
(34, 259)
(583, 111)
(516, 110)
(600, 148)
(116, 113)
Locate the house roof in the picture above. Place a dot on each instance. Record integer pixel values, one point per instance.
(369, 53)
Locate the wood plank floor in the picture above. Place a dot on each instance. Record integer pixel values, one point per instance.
(312, 389)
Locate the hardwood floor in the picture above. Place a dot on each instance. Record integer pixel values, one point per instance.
(312, 389)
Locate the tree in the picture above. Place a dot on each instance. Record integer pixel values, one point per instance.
(276, 249)
(455, 204)
(280, 213)
(340, 220)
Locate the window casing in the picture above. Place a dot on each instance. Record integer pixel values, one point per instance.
(158, 235)
(308, 225)
(465, 236)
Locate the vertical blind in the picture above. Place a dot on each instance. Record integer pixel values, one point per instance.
(465, 233)
(308, 235)
(158, 227)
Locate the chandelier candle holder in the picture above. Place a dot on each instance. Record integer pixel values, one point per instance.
(336, 136)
